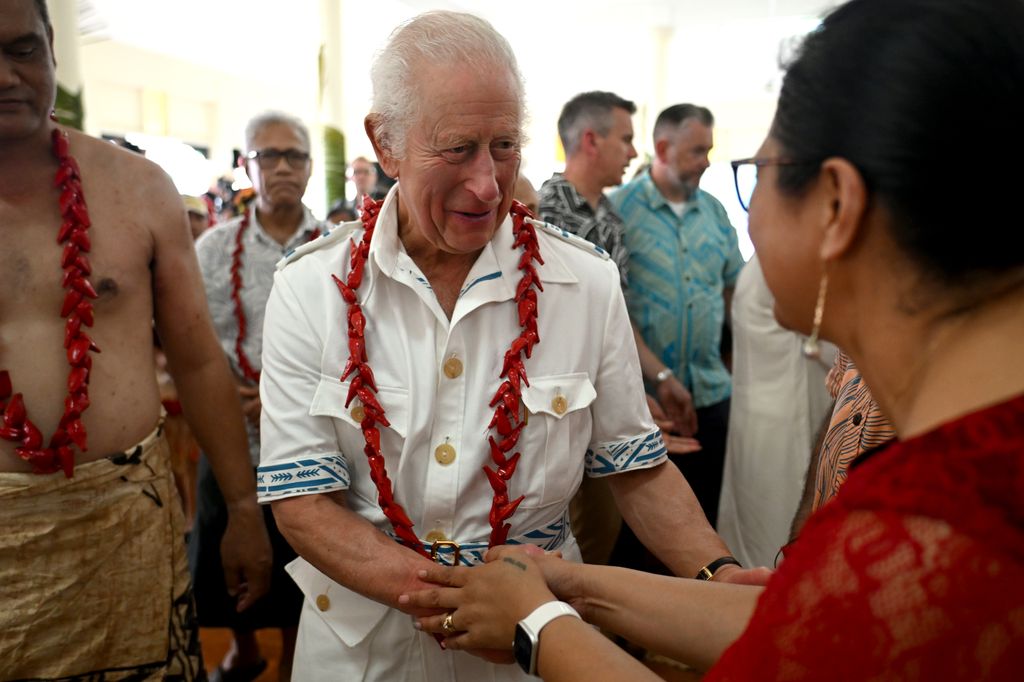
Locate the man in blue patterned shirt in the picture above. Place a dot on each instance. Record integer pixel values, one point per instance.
(684, 261)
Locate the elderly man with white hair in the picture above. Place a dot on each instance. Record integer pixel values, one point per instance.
(438, 377)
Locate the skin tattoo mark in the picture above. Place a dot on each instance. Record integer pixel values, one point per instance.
(518, 564)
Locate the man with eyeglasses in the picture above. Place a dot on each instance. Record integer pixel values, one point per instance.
(238, 261)
(684, 261)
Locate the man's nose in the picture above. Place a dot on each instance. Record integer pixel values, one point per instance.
(483, 181)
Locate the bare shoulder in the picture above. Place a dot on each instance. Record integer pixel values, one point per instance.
(130, 182)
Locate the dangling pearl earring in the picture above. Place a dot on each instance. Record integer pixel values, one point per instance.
(811, 348)
(53, 116)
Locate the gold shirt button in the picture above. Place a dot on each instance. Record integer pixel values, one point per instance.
(559, 404)
(323, 602)
(358, 413)
(444, 454)
(453, 368)
(435, 536)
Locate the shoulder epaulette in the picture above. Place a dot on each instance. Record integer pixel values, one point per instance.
(566, 236)
(330, 235)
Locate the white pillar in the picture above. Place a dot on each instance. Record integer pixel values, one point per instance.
(64, 18)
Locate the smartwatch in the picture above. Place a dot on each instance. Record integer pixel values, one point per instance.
(526, 644)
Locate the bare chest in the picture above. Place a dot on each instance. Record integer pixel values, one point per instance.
(31, 259)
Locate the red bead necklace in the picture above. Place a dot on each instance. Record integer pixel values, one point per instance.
(77, 311)
(506, 400)
(248, 371)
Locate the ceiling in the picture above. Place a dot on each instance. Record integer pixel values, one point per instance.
(237, 35)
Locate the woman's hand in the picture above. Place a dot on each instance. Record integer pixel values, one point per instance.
(484, 602)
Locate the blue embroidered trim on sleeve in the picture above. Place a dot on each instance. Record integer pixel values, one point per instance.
(302, 477)
(637, 453)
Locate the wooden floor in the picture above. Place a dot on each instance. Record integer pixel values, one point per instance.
(216, 642)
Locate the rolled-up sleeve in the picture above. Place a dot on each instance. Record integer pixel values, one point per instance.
(299, 453)
(624, 436)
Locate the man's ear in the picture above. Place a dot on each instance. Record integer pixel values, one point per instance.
(381, 145)
(588, 142)
(844, 197)
(661, 149)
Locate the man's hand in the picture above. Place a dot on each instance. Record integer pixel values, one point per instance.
(245, 554)
(676, 445)
(678, 405)
(251, 405)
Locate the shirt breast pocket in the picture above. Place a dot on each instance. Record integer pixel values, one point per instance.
(329, 401)
(555, 439)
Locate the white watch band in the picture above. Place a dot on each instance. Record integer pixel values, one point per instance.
(526, 645)
(544, 614)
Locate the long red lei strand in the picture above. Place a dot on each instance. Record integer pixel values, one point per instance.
(248, 371)
(506, 400)
(78, 312)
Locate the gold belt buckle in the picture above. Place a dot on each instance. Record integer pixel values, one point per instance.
(435, 551)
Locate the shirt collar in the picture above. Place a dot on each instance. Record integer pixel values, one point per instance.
(484, 279)
(307, 228)
(655, 199)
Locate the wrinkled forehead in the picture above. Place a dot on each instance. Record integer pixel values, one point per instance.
(462, 95)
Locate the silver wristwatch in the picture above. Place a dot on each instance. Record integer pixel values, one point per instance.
(662, 375)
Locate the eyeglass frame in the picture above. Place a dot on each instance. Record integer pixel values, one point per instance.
(759, 163)
(268, 159)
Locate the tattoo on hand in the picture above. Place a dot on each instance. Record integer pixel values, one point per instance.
(518, 564)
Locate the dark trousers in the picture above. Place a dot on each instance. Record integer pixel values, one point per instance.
(702, 470)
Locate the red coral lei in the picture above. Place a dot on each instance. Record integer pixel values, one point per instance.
(248, 371)
(506, 400)
(77, 311)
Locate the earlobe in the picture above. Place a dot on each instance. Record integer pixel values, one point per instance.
(846, 197)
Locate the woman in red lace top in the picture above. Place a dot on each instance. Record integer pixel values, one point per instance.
(893, 172)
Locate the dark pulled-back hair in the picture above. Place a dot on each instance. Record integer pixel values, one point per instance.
(926, 99)
(589, 110)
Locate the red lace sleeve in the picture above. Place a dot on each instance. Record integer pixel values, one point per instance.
(914, 572)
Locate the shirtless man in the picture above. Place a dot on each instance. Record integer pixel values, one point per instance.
(93, 576)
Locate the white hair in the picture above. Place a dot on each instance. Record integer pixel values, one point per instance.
(438, 38)
(269, 118)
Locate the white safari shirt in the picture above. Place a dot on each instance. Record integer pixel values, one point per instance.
(587, 414)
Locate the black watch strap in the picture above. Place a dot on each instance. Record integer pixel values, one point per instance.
(708, 572)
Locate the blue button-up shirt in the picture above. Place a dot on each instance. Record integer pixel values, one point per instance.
(678, 269)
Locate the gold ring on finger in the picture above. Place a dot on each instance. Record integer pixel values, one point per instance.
(448, 626)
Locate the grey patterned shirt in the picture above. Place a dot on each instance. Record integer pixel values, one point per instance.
(562, 205)
(215, 249)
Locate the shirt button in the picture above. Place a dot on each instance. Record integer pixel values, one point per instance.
(444, 454)
(559, 404)
(453, 368)
(323, 602)
(358, 414)
(857, 419)
(436, 536)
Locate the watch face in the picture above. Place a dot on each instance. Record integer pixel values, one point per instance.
(522, 649)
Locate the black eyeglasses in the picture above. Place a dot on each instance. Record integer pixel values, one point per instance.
(744, 173)
(269, 158)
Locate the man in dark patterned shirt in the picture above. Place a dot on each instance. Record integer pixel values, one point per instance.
(597, 135)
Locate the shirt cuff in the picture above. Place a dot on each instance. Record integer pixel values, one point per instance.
(614, 457)
(306, 476)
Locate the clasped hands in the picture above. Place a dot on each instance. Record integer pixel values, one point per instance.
(484, 603)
